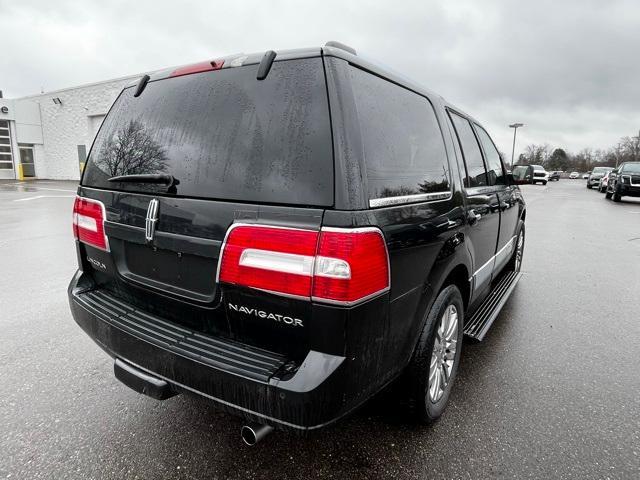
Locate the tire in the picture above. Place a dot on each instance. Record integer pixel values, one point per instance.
(544, 183)
(426, 400)
(607, 194)
(616, 196)
(589, 186)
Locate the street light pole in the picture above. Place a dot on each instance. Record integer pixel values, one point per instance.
(515, 127)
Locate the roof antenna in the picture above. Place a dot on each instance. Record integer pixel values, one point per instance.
(265, 64)
(142, 85)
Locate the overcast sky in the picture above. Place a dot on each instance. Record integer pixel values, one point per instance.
(569, 70)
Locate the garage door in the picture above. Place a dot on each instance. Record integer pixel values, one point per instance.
(6, 155)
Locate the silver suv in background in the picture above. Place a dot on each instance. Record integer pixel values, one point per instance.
(540, 174)
(595, 177)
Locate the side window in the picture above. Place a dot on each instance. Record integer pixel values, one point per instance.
(476, 173)
(403, 144)
(494, 164)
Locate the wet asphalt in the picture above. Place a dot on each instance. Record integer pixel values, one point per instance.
(552, 392)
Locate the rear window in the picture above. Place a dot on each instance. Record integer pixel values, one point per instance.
(224, 135)
(403, 144)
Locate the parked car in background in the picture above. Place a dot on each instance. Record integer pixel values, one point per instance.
(624, 181)
(596, 175)
(539, 174)
(554, 176)
(602, 184)
(574, 175)
(530, 174)
(585, 176)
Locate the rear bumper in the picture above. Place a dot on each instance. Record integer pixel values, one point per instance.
(252, 385)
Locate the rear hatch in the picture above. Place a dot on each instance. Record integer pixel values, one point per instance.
(238, 150)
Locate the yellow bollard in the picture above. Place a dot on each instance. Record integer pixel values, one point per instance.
(20, 172)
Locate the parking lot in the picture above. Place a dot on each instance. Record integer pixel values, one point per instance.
(552, 391)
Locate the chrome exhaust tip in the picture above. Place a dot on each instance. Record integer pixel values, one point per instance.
(253, 433)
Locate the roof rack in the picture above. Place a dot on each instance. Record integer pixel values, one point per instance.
(341, 46)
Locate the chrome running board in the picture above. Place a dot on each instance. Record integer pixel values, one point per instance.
(479, 323)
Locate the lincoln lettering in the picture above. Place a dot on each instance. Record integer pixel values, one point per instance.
(294, 322)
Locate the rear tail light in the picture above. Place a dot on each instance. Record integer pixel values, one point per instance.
(88, 222)
(343, 266)
(278, 260)
(351, 265)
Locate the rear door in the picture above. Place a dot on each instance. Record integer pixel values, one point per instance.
(482, 212)
(507, 200)
(240, 150)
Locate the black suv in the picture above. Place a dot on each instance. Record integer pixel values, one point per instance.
(286, 234)
(624, 181)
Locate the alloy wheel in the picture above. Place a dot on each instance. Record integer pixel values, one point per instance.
(519, 252)
(443, 354)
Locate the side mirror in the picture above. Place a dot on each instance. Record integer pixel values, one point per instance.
(511, 180)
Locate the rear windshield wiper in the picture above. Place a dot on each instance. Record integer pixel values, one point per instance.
(156, 178)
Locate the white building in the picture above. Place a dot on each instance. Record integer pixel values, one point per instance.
(49, 135)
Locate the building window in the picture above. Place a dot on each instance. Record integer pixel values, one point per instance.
(6, 159)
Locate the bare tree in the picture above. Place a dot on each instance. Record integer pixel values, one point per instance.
(535, 154)
(626, 150)
(131, 151)
(630, 149)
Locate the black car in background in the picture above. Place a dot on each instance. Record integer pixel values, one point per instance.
(596, 176)
(287, 233)
(624, 181)
(554, 176)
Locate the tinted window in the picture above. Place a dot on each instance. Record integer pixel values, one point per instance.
(494, 164)
(476, 174)
(224, 134)
(403, 145)
(630, 168)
